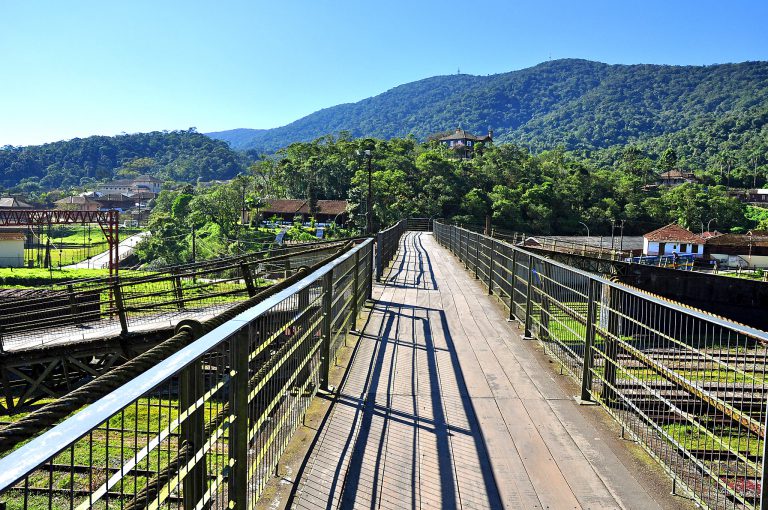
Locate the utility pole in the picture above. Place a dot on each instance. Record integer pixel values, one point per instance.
(193, 244)
(621, 241)
(369, 212)
(613, 225)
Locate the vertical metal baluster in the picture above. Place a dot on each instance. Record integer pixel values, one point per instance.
(528, 300)
(238, 433)
(589, 340)
(325, 349)
(513, 279)
(491, 261)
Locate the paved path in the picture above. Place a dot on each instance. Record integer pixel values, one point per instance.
(445, 406)
(101, 260)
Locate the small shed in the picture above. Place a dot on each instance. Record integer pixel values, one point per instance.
(12, 248)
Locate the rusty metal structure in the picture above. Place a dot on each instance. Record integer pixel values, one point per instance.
(108, 221)
(52, 340)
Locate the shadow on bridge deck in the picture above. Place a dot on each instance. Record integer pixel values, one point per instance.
(445, 406)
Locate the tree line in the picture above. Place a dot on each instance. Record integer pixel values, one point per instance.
(552, 192)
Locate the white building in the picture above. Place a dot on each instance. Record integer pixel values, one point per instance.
(671, 239)
(12, 249)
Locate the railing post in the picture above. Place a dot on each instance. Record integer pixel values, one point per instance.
(248, 278)
(528, 300)
(355, 292)
(120, 306)
(190, 390)
(177, 290)
(545, 301)
(589, 342)
(370, 271)
(238, 434)
(611, 347)
(477, 256)
(491, 254)
(325, 348)
(514, 284)
(764, 468)
(379, 256)
(73, 308)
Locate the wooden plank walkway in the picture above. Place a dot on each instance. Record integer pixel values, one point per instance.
(445, 406)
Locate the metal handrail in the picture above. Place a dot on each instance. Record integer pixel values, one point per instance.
(387, 242)
(261, 367)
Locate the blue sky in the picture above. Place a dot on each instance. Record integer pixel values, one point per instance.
(82, 67)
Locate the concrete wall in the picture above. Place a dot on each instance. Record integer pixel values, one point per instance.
(741, 260)
(11, 252)
(743, 301)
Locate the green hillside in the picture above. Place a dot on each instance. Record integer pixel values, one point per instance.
(576, 104)
(176, 155)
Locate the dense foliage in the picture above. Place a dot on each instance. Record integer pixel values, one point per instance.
(554, 192)
(176, 155)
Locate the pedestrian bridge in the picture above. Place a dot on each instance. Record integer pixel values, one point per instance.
(466, 358)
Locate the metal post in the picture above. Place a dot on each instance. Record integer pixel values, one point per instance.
(764, 474)
(325, 349)
(73, 308)
(177, 291)
(238, 434)
(477, 256)
(611, 347)
(545, 301)
(490, 267)
(528, 300)
(192, 431)
(589, 341)
(379, 256)
(120, 306)
(370, 272)
(368, 211)
(355, 293)
(512, 287)
(248, 278)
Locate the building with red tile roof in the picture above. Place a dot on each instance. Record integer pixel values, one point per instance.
(671, 239)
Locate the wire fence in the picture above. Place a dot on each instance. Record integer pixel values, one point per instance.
(387, 243)
(688, 386)
(204, 428)
(102, 307)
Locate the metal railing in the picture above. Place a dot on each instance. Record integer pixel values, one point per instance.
(688, 386)
(205, 427)
(419, 224)
(387, 243)
(102, 307)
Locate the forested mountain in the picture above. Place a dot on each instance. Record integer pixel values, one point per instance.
(576, 104)
(177, 155)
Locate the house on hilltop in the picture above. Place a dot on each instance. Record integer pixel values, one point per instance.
(464, 143)
(676, 177)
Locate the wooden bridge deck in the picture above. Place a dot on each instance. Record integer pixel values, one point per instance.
(445, 406)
